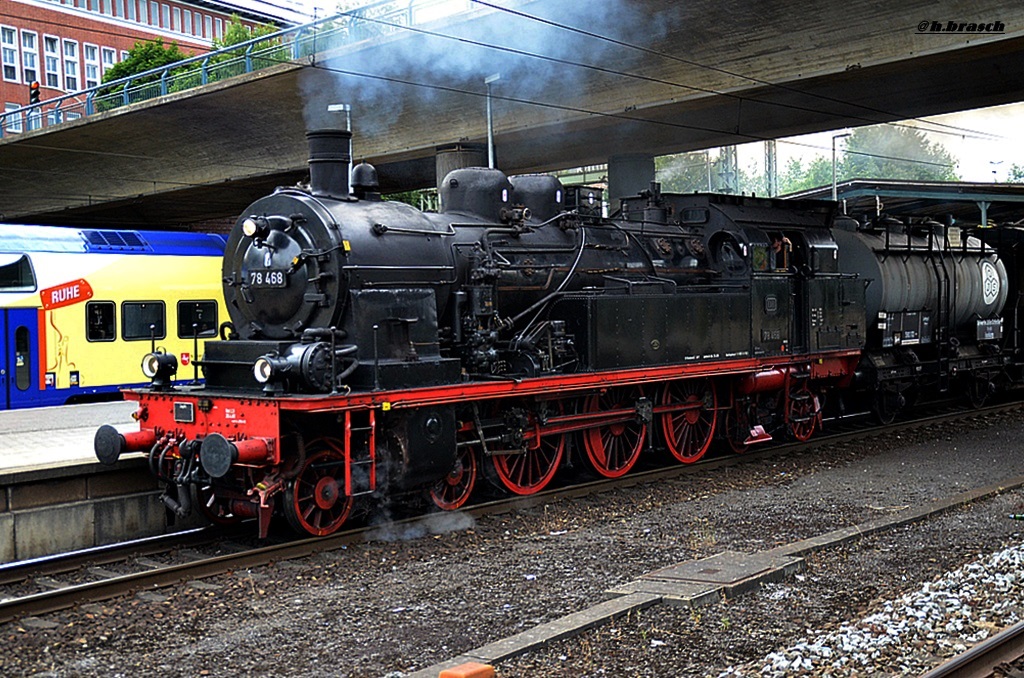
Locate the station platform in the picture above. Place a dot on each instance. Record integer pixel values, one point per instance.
(57, 437)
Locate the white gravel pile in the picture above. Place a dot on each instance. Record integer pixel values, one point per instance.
(941, 619)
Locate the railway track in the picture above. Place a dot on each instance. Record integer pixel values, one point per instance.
(1000, 656)
(50, 584)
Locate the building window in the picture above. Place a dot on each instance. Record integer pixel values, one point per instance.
(100, 324)
(106, 7)
(109, 55)
(131, 10)
(34, 119)
(12, 121)
(70, 65)
(154, 14)
(209, 27)
(177, 20)
(91, 56)
(199, 25)
(94, 5)
(9, 48)
(143, 12)
(220, 29)
(142, 320)
(187, 23)
(30, 56)
(51, 46)
(165, 16)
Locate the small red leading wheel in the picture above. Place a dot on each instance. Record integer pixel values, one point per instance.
(804, 413)
(314, 501)
(454, 490)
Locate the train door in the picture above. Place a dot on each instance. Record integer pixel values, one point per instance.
(19, 359)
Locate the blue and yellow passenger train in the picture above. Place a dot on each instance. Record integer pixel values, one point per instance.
(78, 307)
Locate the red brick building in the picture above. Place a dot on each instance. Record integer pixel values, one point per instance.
(67, 45)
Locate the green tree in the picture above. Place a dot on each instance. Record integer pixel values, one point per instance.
(145, 56)
(891, 152)
(236, 32)
(1016, 175)
(796, 177)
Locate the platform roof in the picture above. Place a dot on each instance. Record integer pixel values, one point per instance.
(967, 202)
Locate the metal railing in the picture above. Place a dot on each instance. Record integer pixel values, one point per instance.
(377, 19)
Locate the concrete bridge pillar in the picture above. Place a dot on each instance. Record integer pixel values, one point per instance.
(628, 175)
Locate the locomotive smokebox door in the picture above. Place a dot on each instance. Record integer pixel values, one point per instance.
(421, 445)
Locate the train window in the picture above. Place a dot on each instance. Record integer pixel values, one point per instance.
(202, 314)
(100, 324)
(16, 274)
(694, 215)
(142, 320)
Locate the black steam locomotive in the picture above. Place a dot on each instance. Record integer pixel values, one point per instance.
(377, 349)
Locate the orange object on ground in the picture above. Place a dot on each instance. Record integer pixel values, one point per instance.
(469, 670)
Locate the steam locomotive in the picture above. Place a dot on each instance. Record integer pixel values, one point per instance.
(374, 349)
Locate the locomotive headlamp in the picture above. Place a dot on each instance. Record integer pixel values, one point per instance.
(302, 367)
(256, 227)
(263, 369)
(159, 367)
(272, 370)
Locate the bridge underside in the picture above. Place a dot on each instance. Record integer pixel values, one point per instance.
(197, 158)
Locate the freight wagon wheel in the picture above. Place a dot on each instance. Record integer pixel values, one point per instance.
(452, 491)
(314, 501)
(615, 448)
(804, 411)
(888, 403)
(688, 432)
(532, 471)
(979, 388)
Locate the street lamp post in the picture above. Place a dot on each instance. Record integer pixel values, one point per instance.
(834, 137)
(490, 121)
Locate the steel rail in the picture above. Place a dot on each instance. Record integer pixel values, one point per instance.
(981, 660)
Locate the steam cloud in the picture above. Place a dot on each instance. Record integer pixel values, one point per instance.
(433, 523)
(399, 56)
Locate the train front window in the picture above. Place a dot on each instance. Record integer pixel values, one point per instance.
(142, 320)
(201, 314)
(16, 274)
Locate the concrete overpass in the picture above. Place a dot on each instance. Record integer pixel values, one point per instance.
(679, 76)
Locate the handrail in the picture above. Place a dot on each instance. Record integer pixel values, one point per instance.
(291, 44)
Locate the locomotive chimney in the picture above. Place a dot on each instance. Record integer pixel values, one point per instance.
(328, 162)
